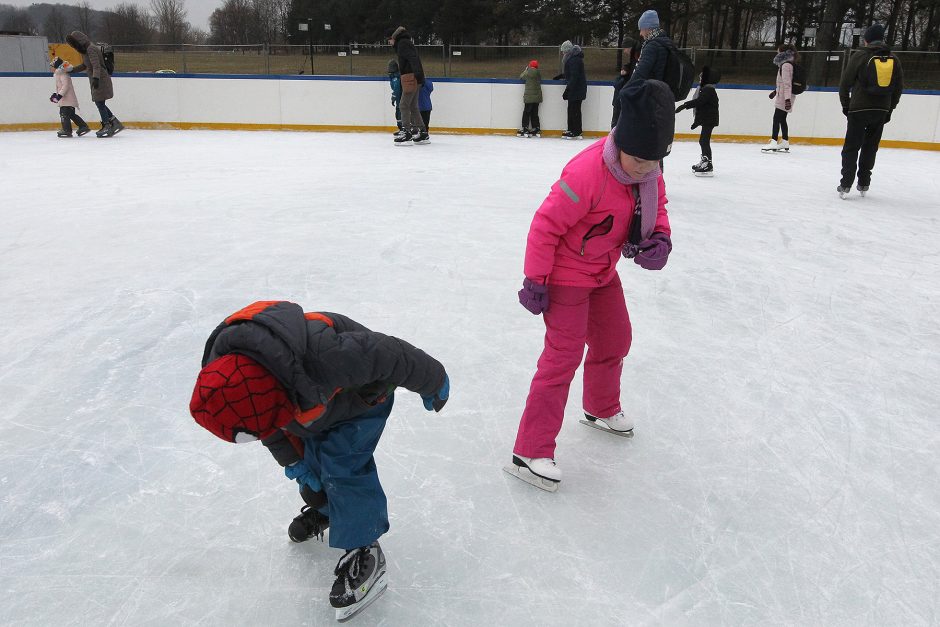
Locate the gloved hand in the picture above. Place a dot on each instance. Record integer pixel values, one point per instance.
(773, 94)
(845, 111)
(629, 250)
(680, 108)
(654, 252)
(534, 296)
(436, 402)
(55, 98)
(95, 81)
(787, 104)
(888, 117)
(301, 473)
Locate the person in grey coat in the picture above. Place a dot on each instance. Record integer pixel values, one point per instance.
(575, 89)
(102, 89)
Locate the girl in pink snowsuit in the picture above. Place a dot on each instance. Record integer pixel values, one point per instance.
(610, 201)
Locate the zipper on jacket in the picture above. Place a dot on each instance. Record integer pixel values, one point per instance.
(606, 225)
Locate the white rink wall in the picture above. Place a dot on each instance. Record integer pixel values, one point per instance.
(459, 104)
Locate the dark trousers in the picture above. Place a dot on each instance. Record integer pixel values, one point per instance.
(574, 117)
(705, 141)
(426, 117)
(863, 132)
(530, 113)
(398, 116)
(341, 458)
(780, 124)
(68, 115)
(105, 112)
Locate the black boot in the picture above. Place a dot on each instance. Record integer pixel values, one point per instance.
(105, 130)
(66, 126)
(116, 126)
(308, 524)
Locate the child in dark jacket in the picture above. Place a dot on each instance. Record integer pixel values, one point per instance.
(394, 81)
(316, 389)
(705, 106)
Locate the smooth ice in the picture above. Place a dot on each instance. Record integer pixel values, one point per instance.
(783, 377)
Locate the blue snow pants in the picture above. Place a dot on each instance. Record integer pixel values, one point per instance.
(341, 458)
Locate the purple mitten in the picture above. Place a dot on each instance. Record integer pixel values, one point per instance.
(534, 296)
(629, 250)
(654, 252)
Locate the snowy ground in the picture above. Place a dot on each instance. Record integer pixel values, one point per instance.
(783, 377)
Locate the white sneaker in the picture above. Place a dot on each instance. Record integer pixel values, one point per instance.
(772, 146)
(783, 146)
(544, 467)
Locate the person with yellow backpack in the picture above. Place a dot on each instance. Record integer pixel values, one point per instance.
(870, 89)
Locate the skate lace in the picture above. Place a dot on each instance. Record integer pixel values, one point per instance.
(352, 562)
(311, 520)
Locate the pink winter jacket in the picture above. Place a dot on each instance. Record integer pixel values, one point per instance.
(785, 87)
(63, 87)
(578, 231)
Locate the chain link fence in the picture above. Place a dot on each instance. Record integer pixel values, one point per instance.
(747, 67)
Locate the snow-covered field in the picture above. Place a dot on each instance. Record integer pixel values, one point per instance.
(784, 372)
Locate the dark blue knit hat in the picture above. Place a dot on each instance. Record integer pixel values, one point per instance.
(875, 32)
(647, 120)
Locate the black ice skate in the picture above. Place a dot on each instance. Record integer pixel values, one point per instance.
(422, 138)
(570, 135)
(522, 133)
(310, 523)
(360, 580)
(542, 472)
(404, 139)
(83, 130)
(862, 189)
(535, 132)
(704, 167)
(105, 131)
(115, 126)
(843, 191)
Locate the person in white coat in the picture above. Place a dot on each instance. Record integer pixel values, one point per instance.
(64, 96)
(783, 98)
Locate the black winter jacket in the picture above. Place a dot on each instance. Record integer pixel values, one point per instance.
(408, 60)
(575, 79)
(333, 368)
(653, 59)
(706, 104)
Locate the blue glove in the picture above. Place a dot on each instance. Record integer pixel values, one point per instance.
(303, 476)
(436, 402)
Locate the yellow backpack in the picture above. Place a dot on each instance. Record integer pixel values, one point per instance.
(879, 77)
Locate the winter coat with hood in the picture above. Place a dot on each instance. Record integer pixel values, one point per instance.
(63, 87)
(333, 368)
(408, 60)
(853, 95)
(93, 64)
(784, 86)
(577, 233)
(705, 102)
(574, 76)
(533, 85)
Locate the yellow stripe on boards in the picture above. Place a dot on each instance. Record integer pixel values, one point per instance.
(232, 126)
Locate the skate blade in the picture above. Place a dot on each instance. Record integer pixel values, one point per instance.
(623, 434)
(704, 175)
(343, 614)
(526, 475)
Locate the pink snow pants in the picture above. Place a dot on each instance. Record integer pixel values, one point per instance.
(596, 316)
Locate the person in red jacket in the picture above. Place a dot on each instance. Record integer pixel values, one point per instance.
(316, 389)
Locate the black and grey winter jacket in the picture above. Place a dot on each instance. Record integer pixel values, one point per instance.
(851, 93)
(333, 368)
(705, 102)
(653, 58)
(408, 60)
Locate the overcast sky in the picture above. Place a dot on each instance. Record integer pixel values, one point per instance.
(197, 11)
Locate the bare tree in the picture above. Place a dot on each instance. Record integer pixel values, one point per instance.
(128, 24)
(54, 27)
(170, 20)
(19, 21)
(86, 19)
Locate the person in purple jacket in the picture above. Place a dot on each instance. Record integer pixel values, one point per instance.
(609, 202)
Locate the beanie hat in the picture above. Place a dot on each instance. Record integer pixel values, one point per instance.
(534, 63)
(875, 32)
(649, 19)
(566, 46)
(235, 395)
(647, 120)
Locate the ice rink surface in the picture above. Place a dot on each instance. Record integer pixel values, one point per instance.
(783, 376)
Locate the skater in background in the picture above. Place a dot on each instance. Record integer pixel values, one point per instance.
(424, 103)
(531, 98)
(631, 54)
(64, 96)
(783, 98)
(394, 81)
(102, 89)
(609, 202)
(412, 77)
(575, 88)
(654, 54)
(316, 389)
(870, 89)
(705, 115)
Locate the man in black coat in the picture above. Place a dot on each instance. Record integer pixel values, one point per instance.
(316, 389)
(412, 78)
